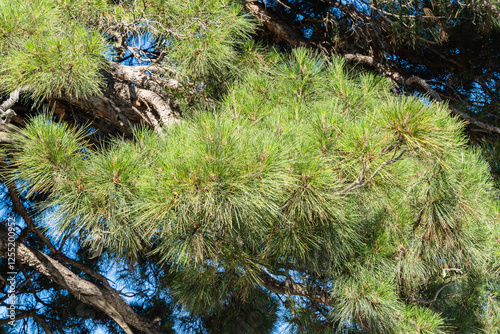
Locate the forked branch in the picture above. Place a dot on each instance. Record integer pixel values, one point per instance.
(358, 183)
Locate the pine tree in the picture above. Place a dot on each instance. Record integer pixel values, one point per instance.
(235, 185)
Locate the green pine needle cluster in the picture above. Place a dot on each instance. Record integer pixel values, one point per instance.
(209, 46)
(45, 56)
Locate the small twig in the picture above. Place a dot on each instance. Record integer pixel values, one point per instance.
(357, 184)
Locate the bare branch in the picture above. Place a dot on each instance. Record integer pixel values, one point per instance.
(425, 85)
(161, 106)
(275, 24)
(455, 270)
(105, 299)
(19, 316)
(6, 113)
(41, 321)
(137, 76)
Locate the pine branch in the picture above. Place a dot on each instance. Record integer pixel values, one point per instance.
(161, 106)
(287, 33)
(387, 72)
(275, 24)
(492, 8)
(19, 207)
(105, 299)
(137, 75)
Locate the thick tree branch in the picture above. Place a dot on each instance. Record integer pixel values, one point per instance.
(387, 72)
(6, 113)
(383, 70)
(105, 299)
(275, 24)
(161, 106)
(131, 95)
(137, 75)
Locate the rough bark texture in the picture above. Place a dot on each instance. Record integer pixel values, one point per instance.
(132, 95)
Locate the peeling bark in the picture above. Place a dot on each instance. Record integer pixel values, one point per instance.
(6, 113)
(137, 75)
(133, 94)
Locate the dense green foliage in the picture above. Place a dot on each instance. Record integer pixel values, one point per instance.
(294, 188)
(305, 167)
(38, 53)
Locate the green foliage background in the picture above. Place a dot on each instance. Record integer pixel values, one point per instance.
(305, 166)
(286, 164)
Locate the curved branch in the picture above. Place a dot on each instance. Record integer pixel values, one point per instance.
(137, 76)
(161, 106)
(430, 301)
(396, 77)
(453, 110)
(6, 113)
(287, 33)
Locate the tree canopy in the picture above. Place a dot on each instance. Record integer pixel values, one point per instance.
(242, 165)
